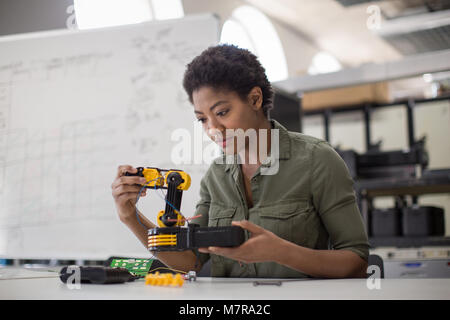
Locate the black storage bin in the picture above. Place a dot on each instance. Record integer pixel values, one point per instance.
(386, 222)
(423, 221)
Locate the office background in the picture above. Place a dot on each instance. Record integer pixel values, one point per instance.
(310, 48)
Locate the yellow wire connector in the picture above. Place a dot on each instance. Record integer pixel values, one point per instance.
(164, 279)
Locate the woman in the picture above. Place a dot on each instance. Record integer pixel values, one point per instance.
(301, 219)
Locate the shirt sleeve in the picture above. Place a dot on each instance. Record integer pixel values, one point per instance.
(334, 199)
(202, 209)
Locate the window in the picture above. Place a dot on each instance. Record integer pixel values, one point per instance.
(250, 29)
(234, 33)
(106, 13)
(324, 62)
(167, 9)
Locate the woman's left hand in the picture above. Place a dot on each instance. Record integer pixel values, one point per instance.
(260, 247)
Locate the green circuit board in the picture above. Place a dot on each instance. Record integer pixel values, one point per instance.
(139, 267)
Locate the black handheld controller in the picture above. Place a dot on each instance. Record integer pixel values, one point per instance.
(95, 275)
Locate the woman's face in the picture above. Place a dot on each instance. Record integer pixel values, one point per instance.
(219, 110)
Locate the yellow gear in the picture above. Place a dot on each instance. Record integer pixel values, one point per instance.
(180, 219)
(187, 179)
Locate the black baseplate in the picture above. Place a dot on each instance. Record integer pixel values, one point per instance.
(194, 236)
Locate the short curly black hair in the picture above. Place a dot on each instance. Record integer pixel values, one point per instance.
(228, 67)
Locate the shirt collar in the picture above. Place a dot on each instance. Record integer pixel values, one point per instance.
(284, 147)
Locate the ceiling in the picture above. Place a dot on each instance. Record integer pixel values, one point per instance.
(341, 26)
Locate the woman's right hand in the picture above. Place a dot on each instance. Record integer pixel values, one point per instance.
(125, 190)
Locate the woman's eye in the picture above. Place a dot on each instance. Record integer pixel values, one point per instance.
(202, 120)
(222, 113)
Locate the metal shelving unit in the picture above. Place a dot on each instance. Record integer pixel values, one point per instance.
(366, 109)
(400, 188)
(367, 190)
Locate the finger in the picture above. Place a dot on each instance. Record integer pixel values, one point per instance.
(245, 224)
(127, 196)
(222, 251)
(121, 170)
(128, 180)
(203, 250)
(126, 189)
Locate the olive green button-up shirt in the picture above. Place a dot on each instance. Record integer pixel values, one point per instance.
(310, 201)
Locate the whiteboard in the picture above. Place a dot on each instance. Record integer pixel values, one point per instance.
(74, 105)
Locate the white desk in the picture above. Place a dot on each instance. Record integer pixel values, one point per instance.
(50, 287)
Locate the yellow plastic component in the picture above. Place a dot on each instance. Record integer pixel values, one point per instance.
(187, 179)
(164, 279)
(180, 219)
(153, 175)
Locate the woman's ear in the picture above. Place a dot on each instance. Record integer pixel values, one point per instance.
(255, 98)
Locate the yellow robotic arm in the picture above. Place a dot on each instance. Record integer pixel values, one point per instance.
(171, 235)
(175, 181)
